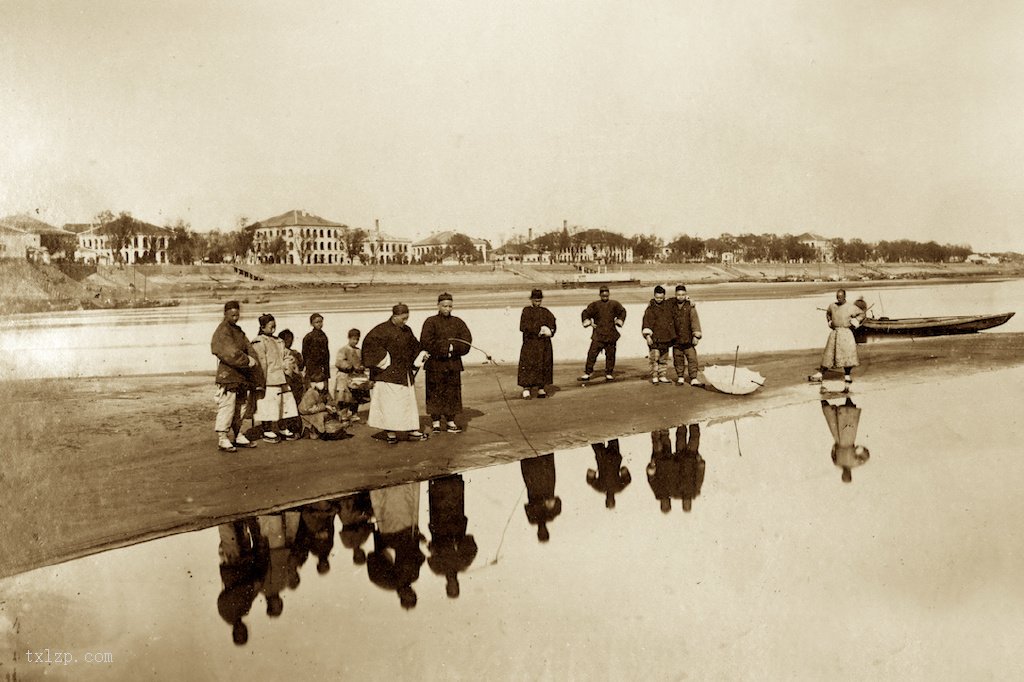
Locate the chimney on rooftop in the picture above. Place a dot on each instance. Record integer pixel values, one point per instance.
(565, 224)
(529, 234)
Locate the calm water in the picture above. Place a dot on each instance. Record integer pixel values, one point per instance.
(104, 343)
(779, 570)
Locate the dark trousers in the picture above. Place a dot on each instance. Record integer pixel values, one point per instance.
(683, 355)
(609, 356)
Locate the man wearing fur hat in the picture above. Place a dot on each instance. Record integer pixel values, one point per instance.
(394, 355)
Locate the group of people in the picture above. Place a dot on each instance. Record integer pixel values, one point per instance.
(287, 393)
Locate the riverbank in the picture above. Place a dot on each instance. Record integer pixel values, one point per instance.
(100, 463)
(28, 288)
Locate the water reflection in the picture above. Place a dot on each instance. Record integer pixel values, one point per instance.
(394, 564)
(452, 550)
(542, 505)
(843, 420)
(355, 513)
(610, 477)
(381, 528)
(241, 573)
(679, 472)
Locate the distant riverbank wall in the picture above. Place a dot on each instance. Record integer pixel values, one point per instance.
(26, 287)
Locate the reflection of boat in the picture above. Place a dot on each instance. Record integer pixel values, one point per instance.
(929, 326)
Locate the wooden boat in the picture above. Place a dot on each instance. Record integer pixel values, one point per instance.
(929, 326)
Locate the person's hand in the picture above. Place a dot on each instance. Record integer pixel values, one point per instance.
(252, 361)
(650, 341)
(588, 323)
(695, 340)
(618, 322)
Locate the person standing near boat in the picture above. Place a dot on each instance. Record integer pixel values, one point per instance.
(605, 316)
(841, 348)
(446, 338)
(536, 358)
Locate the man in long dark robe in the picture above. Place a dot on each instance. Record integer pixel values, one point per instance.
(392, 353)
(446, 338)
(605, 316)
(536, 359)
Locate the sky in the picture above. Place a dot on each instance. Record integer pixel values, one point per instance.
(856, 119)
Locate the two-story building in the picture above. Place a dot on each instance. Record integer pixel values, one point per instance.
(148, 244)
(305, 239)
(437, 243)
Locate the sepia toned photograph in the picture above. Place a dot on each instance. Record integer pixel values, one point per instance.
(568, 340)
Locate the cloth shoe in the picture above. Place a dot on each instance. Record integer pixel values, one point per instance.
(417, 435)
(815, 378)
(664, 380)
(435, 427)
(609, 377)
(271, 437)
(654, 380)
(542, 393)
(453, 428)
(696, 382)
(583, 377)
(287, 435)
(392, 439)
(526, 394)
(243, 442)
(225, 444)
(680, 381)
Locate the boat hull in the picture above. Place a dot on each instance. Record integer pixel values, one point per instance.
(929, 326)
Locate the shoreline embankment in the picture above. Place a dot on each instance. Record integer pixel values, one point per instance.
(27, 288)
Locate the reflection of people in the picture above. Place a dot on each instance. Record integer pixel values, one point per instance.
(692, 469)
(235, 362)
(841, 347)
(240, 572)
(355, 512)
(843, 420)
(688, 334)
(663, 471)
(394, 564)
(278, 533)
(605, 316)
(536, 358)
(391, 352)
(679, 473)
(316, 532)
(610, 477)
(451, 549)
(542, 505)
(444, 368)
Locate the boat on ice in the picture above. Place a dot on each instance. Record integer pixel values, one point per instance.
(928, 326)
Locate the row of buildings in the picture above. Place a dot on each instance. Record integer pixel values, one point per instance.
(301, 238)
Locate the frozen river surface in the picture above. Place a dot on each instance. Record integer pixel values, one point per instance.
(164, 340)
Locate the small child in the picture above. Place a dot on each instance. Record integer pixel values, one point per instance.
(353, 384)
(319, 420)
(293, 366)
(316, 350)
